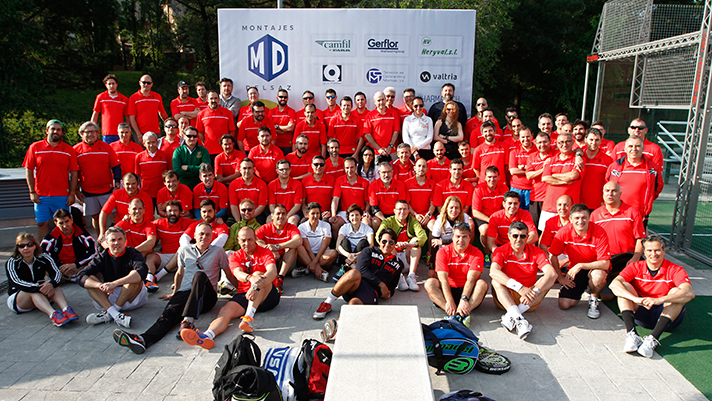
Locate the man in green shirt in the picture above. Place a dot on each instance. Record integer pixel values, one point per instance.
(188, 157)
(247, 214)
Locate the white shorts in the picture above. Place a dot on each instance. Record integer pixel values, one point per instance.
(93, 204)
(165, 258)
(543, 218)
(13, 306)
(137, 302)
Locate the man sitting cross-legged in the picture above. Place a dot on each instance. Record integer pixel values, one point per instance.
(661, 287)
(254, 268)
(458, 289)
(515, 287)
(194, 292)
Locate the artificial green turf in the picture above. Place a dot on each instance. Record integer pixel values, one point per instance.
(689, 347)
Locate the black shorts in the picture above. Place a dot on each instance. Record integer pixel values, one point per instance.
(479, 222)
(581, 281)
(649, 318)
(269, 303)
(365, 293)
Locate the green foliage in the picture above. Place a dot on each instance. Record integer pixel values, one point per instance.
(24, 129)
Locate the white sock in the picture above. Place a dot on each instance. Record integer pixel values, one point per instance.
(113, 311)
(188, 319)
(65, 309)
(161, 273)
(149, 277)
(250, 311)
(209, 334)
(523, 308)
(513, 311)
(331, 298)
(411, 275)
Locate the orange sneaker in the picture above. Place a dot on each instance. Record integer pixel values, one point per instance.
(245, 324)
(194, 337)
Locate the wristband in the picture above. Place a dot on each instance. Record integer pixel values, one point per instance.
(247, 278)
(513, 284)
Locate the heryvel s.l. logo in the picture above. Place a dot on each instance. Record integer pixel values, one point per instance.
(267, 58)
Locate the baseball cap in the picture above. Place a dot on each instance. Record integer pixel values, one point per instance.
(182, 84)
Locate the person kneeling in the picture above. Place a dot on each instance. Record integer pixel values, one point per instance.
(515, 287)
(255, 269)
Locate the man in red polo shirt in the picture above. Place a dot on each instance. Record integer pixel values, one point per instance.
(332, 108)
(597, 163)
(140, 235)
(535, 169)
(489, 153)
(350, 189)
(419, 193)
(579, 131)
(518, 159)
(99, 171)
(439, 166)
(112, 106)
(346, 128)
(308, 98)
(248, 136)
(286, 191)
(313, 129)
(515, 287)
(661, 287)
(651, 150)
(207, 215)
(403, 166)
(173, 190)
(145, 106)
(554, 224)
(458, 289)
(455, 186)
(151, 164)
(265, 156)
(607, 146)
(168, 232)
(384, 193)
(640, 177)
(173, 139)
(202, 91)
(214, 122)
(586, 244)
(500, 221)
(380, 127)
(210, 189)
(300, 159)
(227, 163)
(253, 95)
(184, 105)
(126, 150)
(562, 176)
(285, 119)
(119, 200)
(334, 163)
(282, 239)
(248, 186)
(487, 199)
(319, 188)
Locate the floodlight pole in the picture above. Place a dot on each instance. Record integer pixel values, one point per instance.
(279, 4)
(585, 92)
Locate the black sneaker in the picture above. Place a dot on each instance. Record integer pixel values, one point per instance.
(184, 325)
(133, 341)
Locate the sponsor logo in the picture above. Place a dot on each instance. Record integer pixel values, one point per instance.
(425, 76)
(459, 365)
(340, 46)
(426, 41)
(385, 46)
(374, 75)
(331, 73)
(440, 46)
(392, 75)
(267, 27)
(267, 58)
(439, 53)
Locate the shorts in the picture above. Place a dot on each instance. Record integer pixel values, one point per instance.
(12, 304)
(365, 293)
(165, 258)
(109, 138)
(581, 283)
(93, 204)
(544, 216)
(137, 302)
(515, 297)
(47, 206)
(524, 197)
(479, 222)
(269, 303)
(649, 318)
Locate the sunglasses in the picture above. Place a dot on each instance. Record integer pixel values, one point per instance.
(512, 116)
(191, 136)
(482, 104)
(391, 96)
(467, 226)
(319, 164)
(331, 97)
(638, 127)
(147, 83)
(282, 97)
(387, 242)
(171, 126)
(417, 106)
(246, 210)
(25, 245)
(308, 97)
(450, 109)
(518, 236)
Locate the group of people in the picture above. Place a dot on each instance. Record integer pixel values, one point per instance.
(233, 199)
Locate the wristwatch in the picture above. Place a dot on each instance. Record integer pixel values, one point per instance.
(276, 246)
(465, 298)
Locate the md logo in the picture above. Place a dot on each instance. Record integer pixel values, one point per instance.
(374, 75)
(267, 58)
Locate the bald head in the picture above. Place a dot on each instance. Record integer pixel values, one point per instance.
(612, 194)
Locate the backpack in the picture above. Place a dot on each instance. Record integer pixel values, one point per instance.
(280, 362)
(251, 383)
(302, 372)
(240, 351)
(450, 346)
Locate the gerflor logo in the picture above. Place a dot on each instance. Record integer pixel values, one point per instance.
(267, 58)
(340, 46)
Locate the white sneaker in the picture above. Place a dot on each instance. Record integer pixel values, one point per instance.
(632, 342)
(99, 318)
(649, 344)
(324, 276)
(412, 281)
(123, 320)
(402, 284)
(508, 322)
(523, 328)
(593, 311)
(299, 272)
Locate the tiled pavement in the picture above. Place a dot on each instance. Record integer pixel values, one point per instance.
(567, 356)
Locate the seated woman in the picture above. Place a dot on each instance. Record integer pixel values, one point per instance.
(352, 239)
(448, 130)
(441, 228)
(28, 286)
(314, 251)
(367, 164)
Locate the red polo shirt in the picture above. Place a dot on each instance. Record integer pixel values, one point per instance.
(113, 111)
(595, 178)
(499, 224)
(668, 277)
(214, 124)
(239, 262)
(183, 195)
(623, 228)
(179, 107)
(651, 150)
(592, 247)
(228, 165)
(127, 155)
(445, 188)
(256, 191)
(401, 172)
(249, 129)
(299, 165)
(535, 163)
(488, 200)
(456, 266)
(608, 147)
(437, 171)
(169, 147)
(351, 194)
(419, 196)
(316, 135)
(95, 163)
(269, 234)
(218, 194)
(50, 165)
(319, 191)
(281, 118)
(292, 195)
(330, 114)
(523, 270)
(120, 199)
(381, 127)
(640, 184)
(169, 235)
(218, 229)
(346, 132)
(146, 110)
(301, 117)
(554, 192)
(151, 170)
(551, 228)
(519, 157)
(266, 162)
(136, 234)
(337, 170)
(487, 155)
(385, 198)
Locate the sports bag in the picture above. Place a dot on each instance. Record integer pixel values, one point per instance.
(251, 383)
(240, 351)
(280, 362)
(450, 346)
(301, 373)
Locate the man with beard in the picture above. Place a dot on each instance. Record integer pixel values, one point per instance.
(169, 230)
(207, 215)
(265, 156)
(214, 122)
(227, 100)
(448, 93)
(184, 105)
(300, 159)
(313, 129)
(285, 119)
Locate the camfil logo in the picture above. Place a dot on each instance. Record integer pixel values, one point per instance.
(339, 46)
(267, 58)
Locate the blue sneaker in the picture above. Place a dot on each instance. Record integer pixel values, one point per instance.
(70, 315)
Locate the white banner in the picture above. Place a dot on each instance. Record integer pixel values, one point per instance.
(349, 50)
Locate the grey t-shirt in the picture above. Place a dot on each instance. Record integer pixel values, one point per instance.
(192, 261)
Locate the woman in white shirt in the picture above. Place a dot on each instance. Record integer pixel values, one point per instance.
(352, 239)
(418, 131)
(314, 252)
